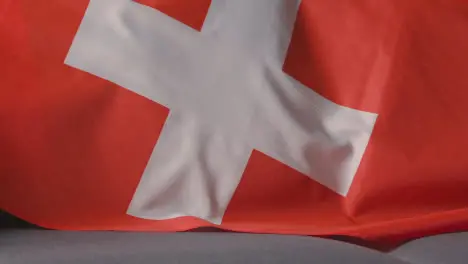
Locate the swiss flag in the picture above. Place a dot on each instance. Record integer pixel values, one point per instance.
(74, 147)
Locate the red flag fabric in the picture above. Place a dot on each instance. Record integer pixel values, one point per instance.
(293, 117)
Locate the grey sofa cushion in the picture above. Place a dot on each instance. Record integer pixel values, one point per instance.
(448, 248)
(40, 246)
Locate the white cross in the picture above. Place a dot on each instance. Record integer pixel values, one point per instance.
(227, 95)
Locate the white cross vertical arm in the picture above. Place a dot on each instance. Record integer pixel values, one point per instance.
(193, 171)
(260, 28)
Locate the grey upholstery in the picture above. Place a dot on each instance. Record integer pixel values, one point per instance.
(448, 248)
(44, 247)
(22, 243)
